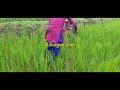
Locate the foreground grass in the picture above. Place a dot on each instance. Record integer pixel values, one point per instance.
(97, 49)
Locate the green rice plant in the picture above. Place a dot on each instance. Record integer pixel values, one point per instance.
(96, 48)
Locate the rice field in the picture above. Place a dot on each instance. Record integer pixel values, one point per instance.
(96, 49)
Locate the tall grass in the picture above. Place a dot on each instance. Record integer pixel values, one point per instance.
(97, 49)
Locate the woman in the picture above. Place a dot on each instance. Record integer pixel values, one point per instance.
(55, 33)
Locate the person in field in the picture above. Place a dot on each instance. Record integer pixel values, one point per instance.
(55, 33)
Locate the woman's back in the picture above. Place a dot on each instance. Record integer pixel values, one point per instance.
(56, 23)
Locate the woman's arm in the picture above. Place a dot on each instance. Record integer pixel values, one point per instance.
(71, 20)
(74, 25)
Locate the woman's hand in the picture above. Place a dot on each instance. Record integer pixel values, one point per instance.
(74, 28)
